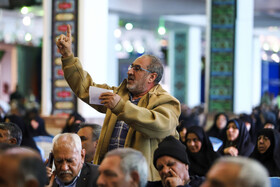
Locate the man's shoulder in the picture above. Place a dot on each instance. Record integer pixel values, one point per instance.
(88, 176)
(196, 181)
(90, 167)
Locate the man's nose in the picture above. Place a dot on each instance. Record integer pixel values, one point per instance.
(64, 166)
(100, 180)
(165, 169)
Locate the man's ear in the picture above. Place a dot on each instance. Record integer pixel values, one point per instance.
(83, 154)
(95, 144)
(152, 78)
(135, 178)
(187, 167)
(13, 140)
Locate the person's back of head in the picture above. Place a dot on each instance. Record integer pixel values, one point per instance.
(13, 132)
(32, 172)
(132, 161)
(251, 173)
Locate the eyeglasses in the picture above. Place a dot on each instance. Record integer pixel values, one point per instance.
(137, 68)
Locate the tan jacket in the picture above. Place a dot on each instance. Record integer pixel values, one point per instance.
(154, 118)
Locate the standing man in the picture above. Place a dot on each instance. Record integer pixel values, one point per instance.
(139, 112)
(89, 134)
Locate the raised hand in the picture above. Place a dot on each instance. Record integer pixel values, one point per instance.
(174, 180)
(64, 43)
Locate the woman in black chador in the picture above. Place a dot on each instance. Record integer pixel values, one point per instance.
(267, 151)
(218, 128)
(200, 151)
(238, 141)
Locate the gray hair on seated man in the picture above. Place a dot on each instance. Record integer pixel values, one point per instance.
(76, 140)
(132, 163)
(11, 133)
(238, 172)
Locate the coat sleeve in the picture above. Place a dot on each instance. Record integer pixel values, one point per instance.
(158, 120)
(80, 80)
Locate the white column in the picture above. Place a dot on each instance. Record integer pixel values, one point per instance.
(93, 45)
(256, 70)
(243, 64)
(194, 66)
(46, 59)
(112, 68)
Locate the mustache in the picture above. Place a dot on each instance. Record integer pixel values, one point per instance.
(65, 172)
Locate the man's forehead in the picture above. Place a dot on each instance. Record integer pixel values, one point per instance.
(142, 60)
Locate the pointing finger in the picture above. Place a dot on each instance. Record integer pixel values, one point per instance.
(69, 31)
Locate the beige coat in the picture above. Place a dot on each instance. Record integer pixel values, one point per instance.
(154, 118)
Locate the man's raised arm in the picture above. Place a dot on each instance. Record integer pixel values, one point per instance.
(64, 43)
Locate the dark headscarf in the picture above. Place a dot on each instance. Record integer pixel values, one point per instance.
(201, 162)
(242, 143)
(271, 158)
(214, 131)
(247, 118)
(73, 127)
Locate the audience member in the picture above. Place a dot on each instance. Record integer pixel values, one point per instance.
(89, 134)
(70, 169)
(247, 119)
(35, 124)
(218, 129)
(267, 151)
(238, 140)
(171, 161)
(200, 151)
(139, 112)
(270, 125)
(182, 128)
(22, 167)
(123, 167)
(237, 172)
(27, 139)
(10, 133)
(72, 122)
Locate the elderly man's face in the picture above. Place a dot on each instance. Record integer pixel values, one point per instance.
(222, 175)
(68, 162)
(110, 173)
(166, 163)
(137, 81)
(4, 136)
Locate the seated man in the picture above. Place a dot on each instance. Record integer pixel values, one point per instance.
(10, 133)
(89, 134)
(21, 167)
(237, 172)
(69, 163)
(171, 161)
(123, 167)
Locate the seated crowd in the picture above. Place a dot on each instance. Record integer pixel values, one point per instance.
(247, 156)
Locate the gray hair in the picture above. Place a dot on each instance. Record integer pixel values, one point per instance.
(13, 129)
(96, 129)
(252, 173)
(132, 160)
(71, 139)
(155, 67)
